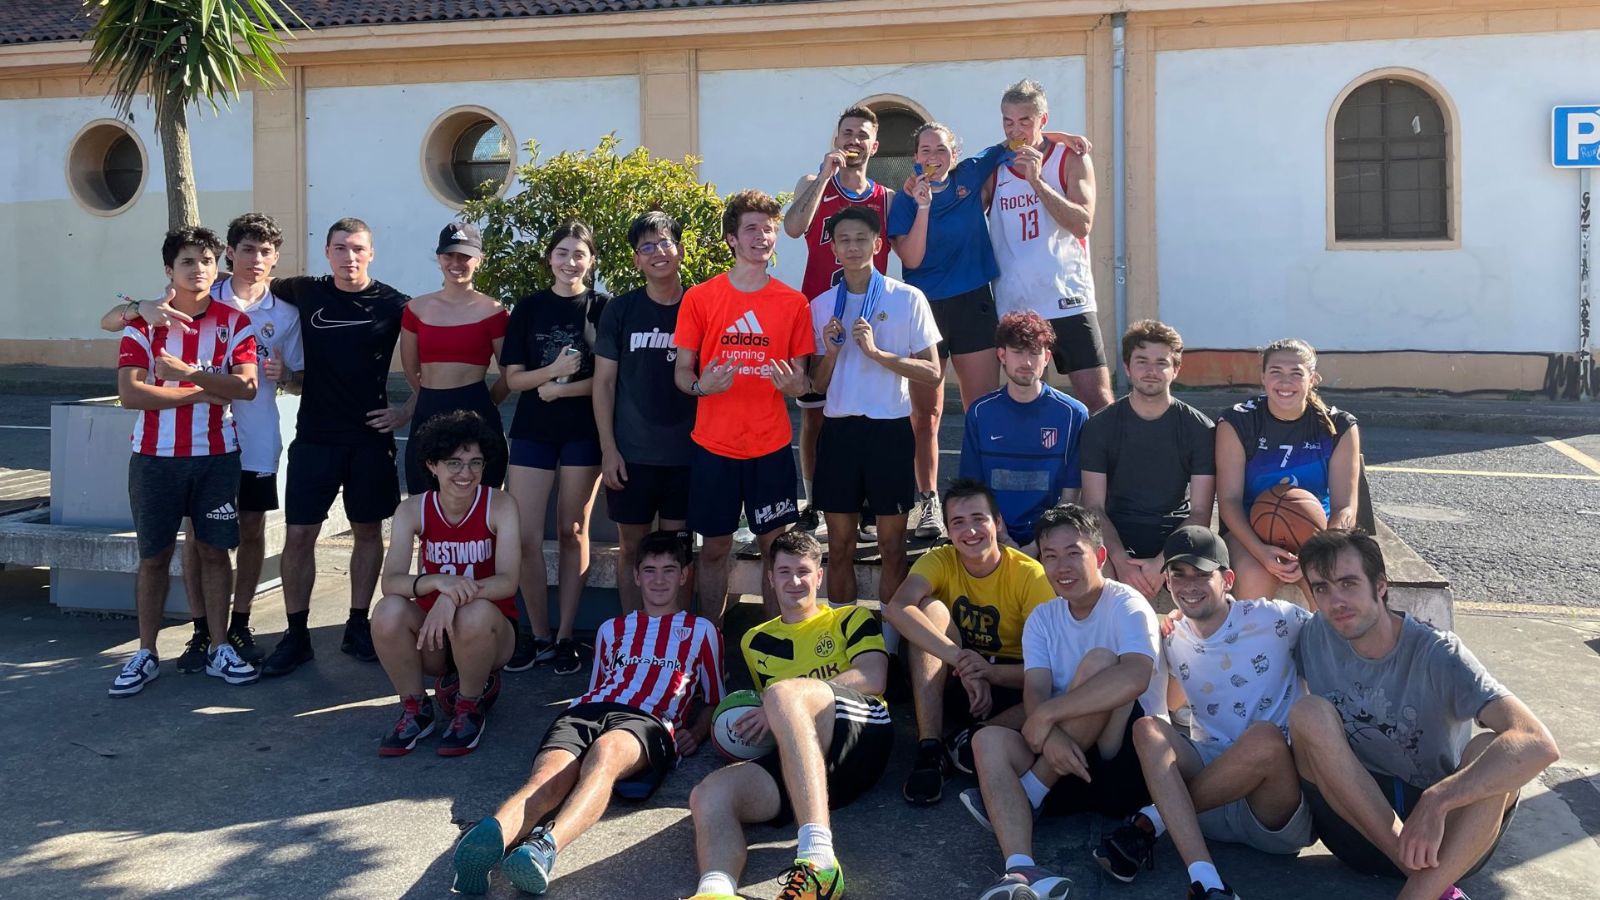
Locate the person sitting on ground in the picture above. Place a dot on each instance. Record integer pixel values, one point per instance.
(1286, 435)
(455, 618)
(1091, 669)
(1232, 777)
(1397, 783)
(814, 664)
(625, 734)
(1022, 440)
(961, 611)
(1148, 460)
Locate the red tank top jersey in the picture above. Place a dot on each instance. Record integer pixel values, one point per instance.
(822, 270)
(471, 343)
(465, 548)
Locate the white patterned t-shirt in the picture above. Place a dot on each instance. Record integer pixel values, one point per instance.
(1244, 672)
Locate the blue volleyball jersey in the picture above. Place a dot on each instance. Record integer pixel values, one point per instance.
(1027, 453)
(959, 257)
(1279, 452)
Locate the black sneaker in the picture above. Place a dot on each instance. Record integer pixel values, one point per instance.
(491, 692)
(1199, 892)
(567, 659)
(809, 521)
(959, 748)
(925, 784)
(530, 652)
(194, 654)
(466, 728)
(290, 653)
(244, 644)
(1128, 848)
(358, 640)
(414, 724)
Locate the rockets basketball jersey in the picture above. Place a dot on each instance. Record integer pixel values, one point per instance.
(464, 548)
(822, 270)
(1043, 266)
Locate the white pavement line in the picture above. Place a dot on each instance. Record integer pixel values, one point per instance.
(1571, 452)
(26, 427)
(1538, 610)
(1483, 474)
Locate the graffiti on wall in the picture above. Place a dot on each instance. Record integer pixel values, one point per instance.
(1564, 375)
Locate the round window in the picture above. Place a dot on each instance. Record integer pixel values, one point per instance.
(468, 153)
(106, 167)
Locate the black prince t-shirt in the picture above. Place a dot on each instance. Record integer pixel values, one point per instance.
(653, 418)
(541, 325)
(349, 339)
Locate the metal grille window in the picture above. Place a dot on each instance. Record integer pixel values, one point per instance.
(124, 170)
(1390, 164)
(897, 148)
(481, 159)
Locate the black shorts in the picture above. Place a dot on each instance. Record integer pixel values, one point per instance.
(720, 486)
(861, 459)
(258, 491)
(863, 737)
(163, 490)
(552, 455)
(958, 709)
(1144, 540)
(317, 472)
(650, 491)
(438, 401)
(576, 730)
(1116, 787)
(1352, 848)
(1077, 345)
(966, 322)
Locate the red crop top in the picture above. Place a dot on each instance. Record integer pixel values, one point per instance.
(472, 343)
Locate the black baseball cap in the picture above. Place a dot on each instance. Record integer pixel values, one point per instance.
(460, 237)
(1198, 546)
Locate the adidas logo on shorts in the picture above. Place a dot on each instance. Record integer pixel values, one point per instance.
(223, 513)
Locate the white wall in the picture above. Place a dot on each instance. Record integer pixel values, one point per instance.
(765, 128)
(364, 151)
(1240, 159)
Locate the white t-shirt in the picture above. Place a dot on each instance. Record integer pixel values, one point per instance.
(277, 337)
(1121, 621)
(902, 324)
(1243, 673)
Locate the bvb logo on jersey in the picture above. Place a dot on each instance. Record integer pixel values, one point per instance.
(824, 646)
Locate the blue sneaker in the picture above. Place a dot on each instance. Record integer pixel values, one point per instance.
(531, 866)
(140, 671)
(478, 851)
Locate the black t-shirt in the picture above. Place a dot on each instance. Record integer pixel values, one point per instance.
(1148, 464)
(349, 340)
(541, 325)
(653, 418)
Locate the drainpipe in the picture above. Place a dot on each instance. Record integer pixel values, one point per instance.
(1119, 190)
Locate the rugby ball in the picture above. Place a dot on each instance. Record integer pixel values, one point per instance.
(730, 710)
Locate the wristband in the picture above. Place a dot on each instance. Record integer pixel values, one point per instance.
(695, 389)
(414, 582)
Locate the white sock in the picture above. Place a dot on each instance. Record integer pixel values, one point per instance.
(816, 846)
(1018, 861)
(715, 882)
(806, 483)
(1154, 815)
(1034, 788)
(1206, 874)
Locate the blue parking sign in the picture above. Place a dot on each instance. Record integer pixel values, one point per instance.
(1575, 137)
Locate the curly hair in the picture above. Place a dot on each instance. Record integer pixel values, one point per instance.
(1025, 330)
(751, 201)
(442, 436)
(258, 227)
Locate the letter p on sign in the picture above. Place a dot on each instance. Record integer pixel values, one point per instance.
(1575, 136)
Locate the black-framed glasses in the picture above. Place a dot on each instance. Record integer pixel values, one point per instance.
(453, 466)
(665, 245)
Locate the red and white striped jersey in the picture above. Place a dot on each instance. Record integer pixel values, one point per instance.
(461, 548)
(654, 663)
(220, 339)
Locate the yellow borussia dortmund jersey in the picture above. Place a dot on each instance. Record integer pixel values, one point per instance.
(989, 611)
(820, 647)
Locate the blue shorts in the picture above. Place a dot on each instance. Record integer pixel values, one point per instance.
(720, 486)
(552, 455)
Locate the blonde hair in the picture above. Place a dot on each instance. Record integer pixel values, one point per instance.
(1029, 92)
(1306, 356)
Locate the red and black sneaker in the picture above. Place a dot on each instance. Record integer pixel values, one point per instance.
(445, 691)
(466, 727)
(414, 724)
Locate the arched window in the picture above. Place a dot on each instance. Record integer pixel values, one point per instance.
(1392, 159)
(898, 121)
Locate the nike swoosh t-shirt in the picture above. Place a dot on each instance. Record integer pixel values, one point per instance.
(349, 339)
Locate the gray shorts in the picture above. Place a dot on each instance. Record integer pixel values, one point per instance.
(1236, 823)
(163, 490)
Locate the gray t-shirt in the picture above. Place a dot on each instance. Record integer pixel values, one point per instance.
(1147, 464)
(1409, 714)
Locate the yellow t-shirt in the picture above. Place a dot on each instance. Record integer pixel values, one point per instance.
(989, 611)
(820, 647)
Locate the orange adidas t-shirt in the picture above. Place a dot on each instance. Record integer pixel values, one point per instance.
(723, 324)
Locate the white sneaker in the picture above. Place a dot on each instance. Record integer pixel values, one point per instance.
(224, 662)
(930, 518)
(140, 671)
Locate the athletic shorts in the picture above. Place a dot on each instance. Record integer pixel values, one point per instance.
(650, 491)
(863, 737)
(958, 709)
(577, 729)
(163, 490)
(1236, 822)
(1116, 787)
(1353, 849)
(720, 486)
(861, 459)
(1077, 345)
(811, 400)
(1143, 541)
(966, 322)
(552, 455)
(317, 472)
(258, 491)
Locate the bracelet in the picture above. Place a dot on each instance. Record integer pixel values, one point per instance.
(414, 582)
(133, 307)
(695, 389)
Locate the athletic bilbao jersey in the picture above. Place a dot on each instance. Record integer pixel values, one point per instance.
(1279, 452)
(219, 339)
(1026, 452)
(1043, 266)
(822, 270)
(463, 548)
(654, 664)
(820, 647)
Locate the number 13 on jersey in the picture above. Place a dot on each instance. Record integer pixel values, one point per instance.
(1030, 223)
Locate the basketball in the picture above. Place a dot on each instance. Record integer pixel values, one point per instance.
(1286, 516)
(730, 710)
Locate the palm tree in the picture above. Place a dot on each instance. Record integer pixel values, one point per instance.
(182, 52)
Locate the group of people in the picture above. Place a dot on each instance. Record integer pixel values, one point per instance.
(1033, 657)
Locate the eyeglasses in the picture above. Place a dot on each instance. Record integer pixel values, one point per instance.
(665, 245)
(453, 466)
